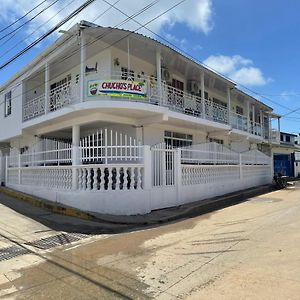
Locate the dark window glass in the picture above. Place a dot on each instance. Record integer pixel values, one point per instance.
(7, 100)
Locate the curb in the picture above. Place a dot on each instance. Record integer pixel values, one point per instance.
(199, 207)
(184, 211)
(47, 205)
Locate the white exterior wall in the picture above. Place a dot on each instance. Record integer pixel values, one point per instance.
(282, 150)
(11, 125)
(128, 130)
(212, 93)
(136, 63)
(23, 141)
(103, 58)
(240, 146)
(34, 88)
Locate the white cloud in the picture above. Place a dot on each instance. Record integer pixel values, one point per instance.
(196, 14)
(181, 43)
(238, 68)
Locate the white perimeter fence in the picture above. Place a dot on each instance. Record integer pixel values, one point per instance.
(132, 178)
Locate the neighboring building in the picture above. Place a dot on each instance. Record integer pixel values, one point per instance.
(284, 155)
(297, 156)
(82, 115)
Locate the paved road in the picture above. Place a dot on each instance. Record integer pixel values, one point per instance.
(247, 251)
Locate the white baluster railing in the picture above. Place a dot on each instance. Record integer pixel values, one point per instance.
(239, 121)
(112, 177)
(34, 108)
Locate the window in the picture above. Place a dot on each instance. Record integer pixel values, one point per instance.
(176, 139)
(281, 137)
(7, 104)
(127, 74)
(219, 102)
(218, 141)
(287, 138)
(205, 94)
(239, 110)
(177, 84)
(61, 82)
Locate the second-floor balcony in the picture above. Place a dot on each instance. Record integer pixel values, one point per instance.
(156, 93)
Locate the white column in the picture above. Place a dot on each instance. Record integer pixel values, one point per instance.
(158, 74)
(253, 113)
(270, 129)
(82, 64)
(140, 134)
(202, 95)
(19, 168)
(128, 55)
(178, 175)
(241, 166)
(75, 154)
(278, 136)
(147, 180)
(261, 122)
(272, 164)
(229, 104)
(47, 86)
(248, 113)
(253, 119)
(6, 170)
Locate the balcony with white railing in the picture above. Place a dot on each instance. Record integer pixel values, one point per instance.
(58, 98)
(34, 108)
(159, 94)
(255, 128)
(239, 121)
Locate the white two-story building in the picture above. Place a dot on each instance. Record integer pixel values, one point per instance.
(112, 121)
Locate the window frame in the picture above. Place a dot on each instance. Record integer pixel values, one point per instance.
(7, 104)
(178, 139)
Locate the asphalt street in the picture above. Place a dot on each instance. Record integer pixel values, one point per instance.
(245, 251)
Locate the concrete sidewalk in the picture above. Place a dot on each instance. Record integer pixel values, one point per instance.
(67, 218)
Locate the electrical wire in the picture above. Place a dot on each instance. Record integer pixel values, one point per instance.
(37, 29)
(74, 13)
(75, 51)
(28, 21)
(103, 13)
(144, 26)
(22, 17)
(189, 55)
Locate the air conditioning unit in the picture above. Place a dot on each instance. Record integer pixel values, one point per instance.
(165, 74)
(193, 87)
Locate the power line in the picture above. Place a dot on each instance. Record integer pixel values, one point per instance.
(188, 54)
(37, 29)
(28, 21)
(16, 21)
(142, 26)
(74, 13)
(99, 16)
(297, 94)
(52, 30)
(97, 38)
(290, 112)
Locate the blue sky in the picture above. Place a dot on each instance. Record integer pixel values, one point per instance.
(255, 43)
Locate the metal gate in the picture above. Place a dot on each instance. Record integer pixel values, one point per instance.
(284, 164)
(163, 165)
